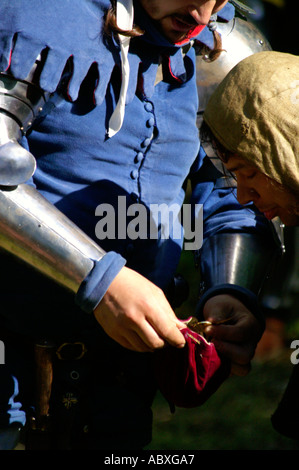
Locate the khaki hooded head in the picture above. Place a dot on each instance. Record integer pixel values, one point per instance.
(254, 113)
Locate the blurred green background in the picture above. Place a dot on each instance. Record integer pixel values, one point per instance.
(236, 417)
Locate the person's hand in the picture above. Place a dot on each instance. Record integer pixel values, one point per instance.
(236, 339)
(135, 313)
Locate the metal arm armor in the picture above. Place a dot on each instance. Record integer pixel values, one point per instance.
(237, 259)
(21, 101)
(30, 227)
(236, 264)
(37, 232)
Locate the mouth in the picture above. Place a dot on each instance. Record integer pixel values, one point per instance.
(183, 25)
(270, 213)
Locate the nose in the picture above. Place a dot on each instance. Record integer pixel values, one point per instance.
(202, 11)
(200, 15)
(246, 194)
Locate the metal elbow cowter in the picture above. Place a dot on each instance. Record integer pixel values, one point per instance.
(21, 101)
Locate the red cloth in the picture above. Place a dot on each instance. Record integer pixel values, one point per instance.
(187, 377)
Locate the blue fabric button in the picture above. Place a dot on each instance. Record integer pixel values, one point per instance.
(134, 174)
(146, 142)
(150, 122)
(148, 106)
(139, 157)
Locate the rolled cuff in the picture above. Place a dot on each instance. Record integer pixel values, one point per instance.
(96, 283)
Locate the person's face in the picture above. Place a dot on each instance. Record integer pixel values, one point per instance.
(267, 195)
(175, 18)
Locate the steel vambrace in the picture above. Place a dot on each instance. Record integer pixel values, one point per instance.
(34, 230)
(238, 259)
(236, 264)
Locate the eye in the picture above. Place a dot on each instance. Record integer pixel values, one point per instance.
(229, 173)
(251, 175)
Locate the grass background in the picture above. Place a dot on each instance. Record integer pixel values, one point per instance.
(236, 417)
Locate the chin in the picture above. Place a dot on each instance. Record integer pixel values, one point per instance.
(290, 220)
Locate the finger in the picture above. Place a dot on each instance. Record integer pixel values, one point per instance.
(225, 333)
(133, 342)
(180, 324)
(240, 332)
(149, 336)
(170, 332)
